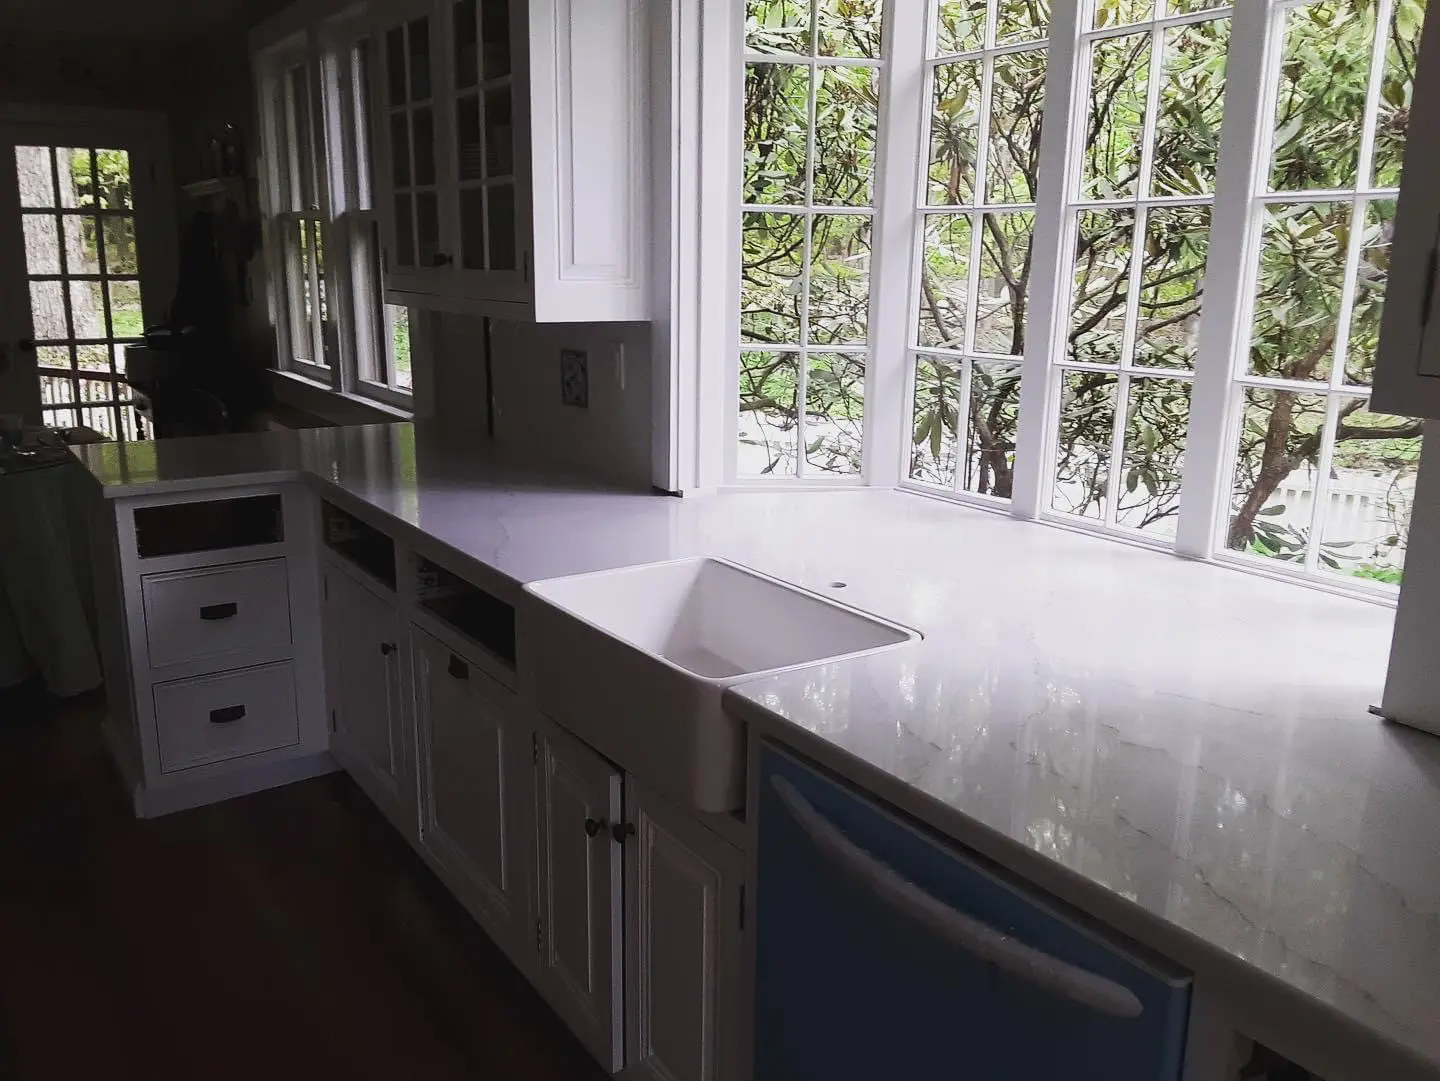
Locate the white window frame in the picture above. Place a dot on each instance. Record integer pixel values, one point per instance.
(358, 342)
(1217, 379)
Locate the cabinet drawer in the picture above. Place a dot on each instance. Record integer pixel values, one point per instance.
(232, 612)
(214, 718)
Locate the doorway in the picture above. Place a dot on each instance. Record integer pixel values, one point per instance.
(82, 234)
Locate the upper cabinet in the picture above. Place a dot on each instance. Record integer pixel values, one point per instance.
(1407, 372)
(511, 157)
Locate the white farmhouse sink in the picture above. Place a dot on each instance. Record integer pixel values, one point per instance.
(635, 660)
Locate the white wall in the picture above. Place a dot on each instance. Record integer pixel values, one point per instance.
(608, 441)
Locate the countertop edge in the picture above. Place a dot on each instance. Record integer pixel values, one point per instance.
(1338, 1040)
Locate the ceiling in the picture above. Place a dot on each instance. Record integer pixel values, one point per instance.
(120, 20)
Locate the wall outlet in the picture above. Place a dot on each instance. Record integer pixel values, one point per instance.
(574, 378)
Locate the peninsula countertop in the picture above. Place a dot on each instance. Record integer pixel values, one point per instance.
(1179, 749)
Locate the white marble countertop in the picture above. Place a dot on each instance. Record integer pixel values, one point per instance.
(1182, 750)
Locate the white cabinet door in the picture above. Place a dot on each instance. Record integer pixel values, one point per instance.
(372, 739)
(580, 897)
(477, 788)
(683, 917)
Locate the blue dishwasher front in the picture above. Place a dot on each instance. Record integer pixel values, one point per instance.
(885, 954)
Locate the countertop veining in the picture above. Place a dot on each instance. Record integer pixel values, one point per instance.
(1185, 744)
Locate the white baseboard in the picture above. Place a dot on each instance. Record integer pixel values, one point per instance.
(156, 801)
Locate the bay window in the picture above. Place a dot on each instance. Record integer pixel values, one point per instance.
(1141, 245)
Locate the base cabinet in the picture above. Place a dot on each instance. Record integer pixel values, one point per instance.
(367, 701)
(477, 787)
(684, 913)
(579, 920)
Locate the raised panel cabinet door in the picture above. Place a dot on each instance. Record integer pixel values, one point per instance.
(683, 905)
(366, 693)
(580, 892)
(476, 765)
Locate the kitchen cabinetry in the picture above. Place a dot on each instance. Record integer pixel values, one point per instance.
(477, 787)
(511, 156)
(579, 921)
(684, 911)
(371, 736)
(921, 957)
(1407, 369)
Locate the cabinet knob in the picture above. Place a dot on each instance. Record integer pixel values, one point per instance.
(621, 830)
(441, 258)
(387, 648)
(593, 826)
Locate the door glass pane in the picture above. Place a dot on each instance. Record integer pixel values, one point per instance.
(499, 133)
(87, 309)
(495, 30)
(419, 33)
(395, 65)
(467, 44)
(33, 172)
(82, 250)
(76, 184)
(119, 244)
(423, 128)
(112, 175)
(1372, 490)
(472, 228)
(427, 227)
(501, 221)
(404, 232)
(467, 138)
(56, 389)
(47, 310)
(93, 357)
(52, 356)
(126, 317)
(42, 244)
(400, 149)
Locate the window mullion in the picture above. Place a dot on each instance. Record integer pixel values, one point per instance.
(899, 168)
(1208, 450)
(1048, 291)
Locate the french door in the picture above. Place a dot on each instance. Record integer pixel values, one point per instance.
(76, 206)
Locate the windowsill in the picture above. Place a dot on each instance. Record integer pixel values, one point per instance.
(338, 407)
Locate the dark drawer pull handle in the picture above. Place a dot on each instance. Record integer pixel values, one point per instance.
(213, 613)
(228, 715)
(387, 648)
(458, 668)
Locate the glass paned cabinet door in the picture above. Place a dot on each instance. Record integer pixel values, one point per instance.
(409, 88)
(485, 135)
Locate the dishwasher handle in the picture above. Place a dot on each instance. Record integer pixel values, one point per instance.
(960, 930)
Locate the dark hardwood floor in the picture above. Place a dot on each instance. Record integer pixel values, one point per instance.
(287, 934)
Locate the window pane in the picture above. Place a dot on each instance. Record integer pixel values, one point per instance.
(839, 278)
(1003, 290)
(77, 185)
(1102, 285)
(56, 390)
(47, 311)
(58, 418)
(845, 123)
(398, 319)
(82, 255)
(1117, 12)
(418, 33)
(1021, 20)
(465, 15)
(959, 26)
(777, 26)
(1402, 48)
(395, 65)
(945, 281)
(400, 148)
(1172, 281)
(42, 243)
(126, 318)
(52, 356)
(427, 228)
(472, 228)
(499, 133)
(422, 130)
(991, 428)
(500, 224)
(1082, 447)
(112, 170)
(1371, 275)
(772, 277)
(1366, 521)
(471, 164)
(1120, 71)
(1017, 103)
(768, 430)
(93, 357)
(34, 175)
(120, 244)
(849, 28)
(404, 232)
(934, 420)
(495, 32)
(1157, 417)
(1324, 73)
(954, 132)
(776, 106)
(87, 309)
(1274, 486)
(1192, 102)
(834, 413)
(1297, 298)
